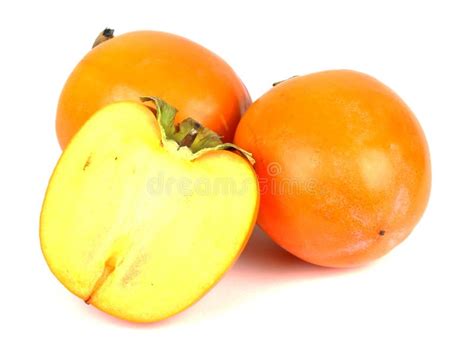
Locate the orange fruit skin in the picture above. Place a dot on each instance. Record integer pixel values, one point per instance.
(343, 165)
(148, 63)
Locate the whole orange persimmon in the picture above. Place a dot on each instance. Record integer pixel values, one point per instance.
(343, 165)
(144, 63)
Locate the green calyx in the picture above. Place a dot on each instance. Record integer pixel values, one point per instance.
(189, 138)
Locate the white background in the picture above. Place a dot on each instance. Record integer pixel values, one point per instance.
(417, 300)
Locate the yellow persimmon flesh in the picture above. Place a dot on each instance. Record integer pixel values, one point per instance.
(136, 229)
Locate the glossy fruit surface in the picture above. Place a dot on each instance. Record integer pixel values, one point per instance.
(134, 227)
(145, 63)
(343, 164)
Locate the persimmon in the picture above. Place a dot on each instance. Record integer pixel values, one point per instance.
(140, 217)
(343, 164)
(144, 63)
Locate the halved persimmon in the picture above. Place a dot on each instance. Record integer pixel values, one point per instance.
(141, 218)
